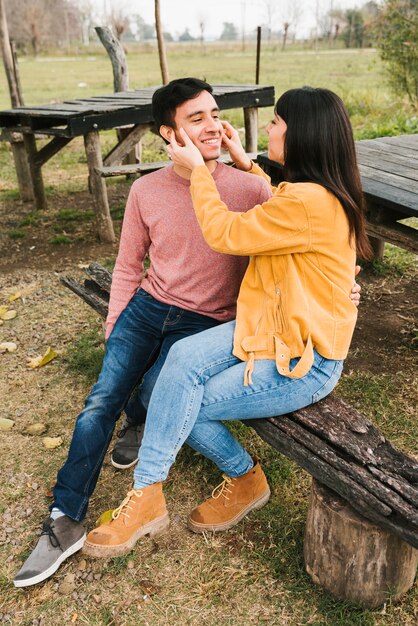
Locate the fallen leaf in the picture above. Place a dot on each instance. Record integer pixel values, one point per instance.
(105, 517)
(7, 346)
(6, 424)
(74, 618)
(39, 361)
(52, 442)
(36, 429)
(22, 293)
(3, 310)
(9, 315)
(148, 587)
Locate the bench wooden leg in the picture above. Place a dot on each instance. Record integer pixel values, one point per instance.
(378, 247)
(35, 170)
(251, 129)
(97, 188)
(24, 179)
(353, 558)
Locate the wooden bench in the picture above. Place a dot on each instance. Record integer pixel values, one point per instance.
(362, 531)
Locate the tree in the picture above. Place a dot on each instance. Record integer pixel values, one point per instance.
(119, 22)
(229, 33)
(397, 39)
(37, 23)
(354, 31)
(186, 36)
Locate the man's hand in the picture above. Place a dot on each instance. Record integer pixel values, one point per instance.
(232, 142)
(187, 156)
(355, 290)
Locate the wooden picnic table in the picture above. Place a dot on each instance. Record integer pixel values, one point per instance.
(87, 117)
(389, 174)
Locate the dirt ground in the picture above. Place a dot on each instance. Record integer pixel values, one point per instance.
(49, 315)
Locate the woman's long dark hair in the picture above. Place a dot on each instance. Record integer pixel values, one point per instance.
(319, 148)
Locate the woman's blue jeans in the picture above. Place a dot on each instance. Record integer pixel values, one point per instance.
(143, 335)
(201, 384)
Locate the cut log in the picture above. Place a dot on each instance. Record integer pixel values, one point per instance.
(352, 558)
(332, 441)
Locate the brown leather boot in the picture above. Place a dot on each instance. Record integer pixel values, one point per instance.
(143, 512)
(231, 501)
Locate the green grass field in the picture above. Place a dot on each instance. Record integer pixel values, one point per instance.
(356, 75)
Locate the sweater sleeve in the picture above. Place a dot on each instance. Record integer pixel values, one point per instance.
(129, 267)
(258, 171)
(278, 226)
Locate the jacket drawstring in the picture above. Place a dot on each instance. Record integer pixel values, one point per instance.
(248, 380)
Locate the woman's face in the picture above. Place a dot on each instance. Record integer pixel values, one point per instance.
(276, 130)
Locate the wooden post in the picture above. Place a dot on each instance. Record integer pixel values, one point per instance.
(24, 177)
(97, 187)
(251, 128)
(257, 63)
(378, 247)
(35, 170)
(8, 57)
(161, 43)
(353, 558)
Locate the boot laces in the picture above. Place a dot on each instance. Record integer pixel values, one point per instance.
(126, 504)
(47, 530)
(223, 488)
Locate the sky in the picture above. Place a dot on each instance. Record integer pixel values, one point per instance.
(177, 15)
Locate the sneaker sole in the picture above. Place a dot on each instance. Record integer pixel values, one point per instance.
(196, 527)
(125, 466)
(51, 570)
(156, 527)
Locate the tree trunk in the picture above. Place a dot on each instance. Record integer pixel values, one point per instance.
(117, 56)
(8, 58)
(161, 44)
(120, 75)
(352, 558)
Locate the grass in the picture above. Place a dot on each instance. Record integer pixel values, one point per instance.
(254, 573)
(85, 355)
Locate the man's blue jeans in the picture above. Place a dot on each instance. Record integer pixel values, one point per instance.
(201, 384)
(143, 335)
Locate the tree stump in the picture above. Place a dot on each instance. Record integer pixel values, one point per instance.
(351, 557)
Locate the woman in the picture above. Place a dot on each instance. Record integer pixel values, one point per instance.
(294, 317)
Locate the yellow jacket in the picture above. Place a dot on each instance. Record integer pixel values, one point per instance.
(295, 293)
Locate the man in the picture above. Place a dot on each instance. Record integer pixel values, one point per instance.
(188, 288)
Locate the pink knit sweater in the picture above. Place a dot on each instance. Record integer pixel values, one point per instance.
(184, 271)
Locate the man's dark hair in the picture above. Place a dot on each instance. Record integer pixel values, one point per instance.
(166, 99)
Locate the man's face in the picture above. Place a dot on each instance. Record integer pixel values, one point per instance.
(200, 119)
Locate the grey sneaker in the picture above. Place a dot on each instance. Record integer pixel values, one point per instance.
(125, 452)
(59, 539)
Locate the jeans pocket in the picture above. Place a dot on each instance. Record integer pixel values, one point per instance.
(330, 383)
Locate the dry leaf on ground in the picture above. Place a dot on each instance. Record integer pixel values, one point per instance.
(22, 293)
(52, 442)
(36, 429)
(105, 517)
(7, 346)
(6, 424)
(6, 313)
(39, 361)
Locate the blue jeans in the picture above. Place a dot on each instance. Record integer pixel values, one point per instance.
(202, 383)
(143, 334)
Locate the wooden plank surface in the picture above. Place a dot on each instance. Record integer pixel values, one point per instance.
(230, 96)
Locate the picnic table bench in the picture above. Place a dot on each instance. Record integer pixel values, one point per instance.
(389, 175)
(86, 117)
(362, 529)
